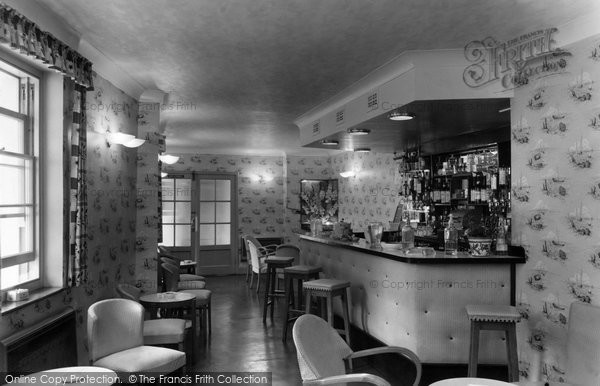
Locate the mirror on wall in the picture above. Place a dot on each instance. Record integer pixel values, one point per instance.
(318, 201)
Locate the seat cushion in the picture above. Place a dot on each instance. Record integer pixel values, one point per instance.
(189, 276)
(143, 359)
(279, 261)
(493, 313)
(164, 331)
(202, 296)
(191, 284)
(302, 269)
(326, 284)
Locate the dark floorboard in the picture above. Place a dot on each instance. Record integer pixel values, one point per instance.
(241, 342)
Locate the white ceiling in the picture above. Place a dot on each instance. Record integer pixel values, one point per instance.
(246, 69)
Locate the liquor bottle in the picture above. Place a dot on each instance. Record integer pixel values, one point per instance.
(501, 244)
(450, 238)
(408, 234)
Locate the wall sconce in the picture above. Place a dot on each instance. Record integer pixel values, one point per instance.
(348, 174)
(126, 140)
(163, 174)
(168, 159)
(260, 178)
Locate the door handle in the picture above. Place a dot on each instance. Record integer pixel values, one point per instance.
(194, 221)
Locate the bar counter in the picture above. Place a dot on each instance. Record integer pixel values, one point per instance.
(418, 302)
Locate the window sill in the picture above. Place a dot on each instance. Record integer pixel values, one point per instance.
(34, 296)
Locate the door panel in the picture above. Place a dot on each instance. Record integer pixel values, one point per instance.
(177, 214)
(215, 217)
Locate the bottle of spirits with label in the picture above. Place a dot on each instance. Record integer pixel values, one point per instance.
(450, 238)
(408, 234)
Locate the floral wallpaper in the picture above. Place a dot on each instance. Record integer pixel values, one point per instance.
(111, 172)
(556, 202)
(147, 197)
(371, 195)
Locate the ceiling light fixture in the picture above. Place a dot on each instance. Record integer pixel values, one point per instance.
(362, 150)
(163, 174)
(504, 110)
(400, 116)
(168, 159)
(359, 131)
(329, 142)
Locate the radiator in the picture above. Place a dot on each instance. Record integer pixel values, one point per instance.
(49, 344)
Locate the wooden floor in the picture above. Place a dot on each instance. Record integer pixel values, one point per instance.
(241, 342)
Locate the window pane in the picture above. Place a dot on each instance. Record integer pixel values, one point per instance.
(207, 190)
(183, 189)
(223, 188)
(16, 180)
(223, 234)
(20, 273)
(9, 97)
(183, 212)
(11, 133)
(223, 212)
(207, 234)
(168, 235)
(16, 232)
(182, 235)
(168, 189)
(207, 212)
(168, 215)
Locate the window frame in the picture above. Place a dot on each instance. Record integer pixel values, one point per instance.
(32, 133)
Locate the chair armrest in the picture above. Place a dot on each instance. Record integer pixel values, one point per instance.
(394, 350)
(361, 377)
(265, 251)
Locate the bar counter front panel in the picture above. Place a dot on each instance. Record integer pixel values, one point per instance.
(417, 303)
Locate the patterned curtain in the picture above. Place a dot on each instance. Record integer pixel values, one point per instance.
(26, 37)
(76, 272)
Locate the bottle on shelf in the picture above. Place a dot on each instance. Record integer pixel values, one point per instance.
(450, 238)
(501, 243)
(408, 233)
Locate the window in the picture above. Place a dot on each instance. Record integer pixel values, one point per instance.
(19, 229)
(176, 212)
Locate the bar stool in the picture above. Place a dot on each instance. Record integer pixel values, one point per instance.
(499, 318)
(273, 263)
(328, 288)
(300, 273)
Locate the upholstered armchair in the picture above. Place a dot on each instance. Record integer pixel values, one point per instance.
(583, 347)
(159, 331)
(116, 340)
(186, 281)
(321, 353)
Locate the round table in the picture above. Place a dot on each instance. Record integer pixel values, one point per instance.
(471, 382)
(169, 299)
(72, 376)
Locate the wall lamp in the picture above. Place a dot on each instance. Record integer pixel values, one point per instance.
(127, 140)
(260, 178)
(168, 159)
(348, 174)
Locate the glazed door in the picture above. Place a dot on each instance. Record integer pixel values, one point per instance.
(214, 228)
(176, 214)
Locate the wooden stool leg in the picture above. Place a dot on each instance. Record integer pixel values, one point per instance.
(474, 350)
(323, 307)
(346, 315)
(274, 287)
(330, 309)
(511, 351)
(288, 287)
(209, 319)
(308, 299)
(267, 289)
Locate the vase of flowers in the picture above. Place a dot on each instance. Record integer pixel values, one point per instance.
(319, 202)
